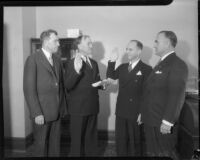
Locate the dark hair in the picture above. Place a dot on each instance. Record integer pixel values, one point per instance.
(46, 34)
(139, 44)
(77, 41)
(171, 36)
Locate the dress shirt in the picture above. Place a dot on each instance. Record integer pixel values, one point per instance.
(48, 56)
(134, 63)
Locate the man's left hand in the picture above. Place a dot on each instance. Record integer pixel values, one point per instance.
(165, 129)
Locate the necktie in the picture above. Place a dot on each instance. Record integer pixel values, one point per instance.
(87, 62)
(51, 60)
(129, 67)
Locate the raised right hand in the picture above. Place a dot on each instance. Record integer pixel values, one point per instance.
(139, 121)
(78, 63)
(114, 55)
(39, 120)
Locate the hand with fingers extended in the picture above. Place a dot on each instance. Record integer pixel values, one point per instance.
(114, 55)
(39, 120)
(78, 62)
(139, 121)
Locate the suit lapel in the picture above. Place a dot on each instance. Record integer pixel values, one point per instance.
(132, 74)
(56, 65)
(46, 63)
(93, 69)
(136, 68)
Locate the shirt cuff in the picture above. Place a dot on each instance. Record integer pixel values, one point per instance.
(167, 123)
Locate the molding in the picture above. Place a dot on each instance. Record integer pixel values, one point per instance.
(13, 143)
(21, 144)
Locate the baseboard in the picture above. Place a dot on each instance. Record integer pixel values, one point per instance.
(105, 135)
(20, 144)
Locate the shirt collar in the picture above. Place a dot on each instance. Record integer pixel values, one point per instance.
(86, 58)
(163, 57)
(134, 63)
(46, 53)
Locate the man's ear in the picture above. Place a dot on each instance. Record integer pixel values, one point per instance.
(79, 47)
(139, 52)
(168, 43)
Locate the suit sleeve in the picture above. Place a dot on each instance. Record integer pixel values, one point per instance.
(111, 72)
(176, 93)
(71, 77)
(30, 87)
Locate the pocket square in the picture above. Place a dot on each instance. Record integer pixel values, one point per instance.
(158, 72)
(139, 73)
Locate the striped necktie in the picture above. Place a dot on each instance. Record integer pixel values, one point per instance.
(129, 67)
(87, 62)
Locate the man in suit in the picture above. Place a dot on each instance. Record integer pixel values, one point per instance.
(44, 94)
(83, 98)
(163, 97)
(131, 78)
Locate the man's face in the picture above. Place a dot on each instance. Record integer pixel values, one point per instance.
(161, 44)
(132, 50)
(53, 43)
(85, 46)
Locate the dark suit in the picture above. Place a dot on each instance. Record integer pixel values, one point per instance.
(83, 107)
(164, 93)
(44, 94)
(128, 103)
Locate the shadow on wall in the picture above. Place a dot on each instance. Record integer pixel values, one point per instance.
(6, 89)
(98, 55)
(183, 51)
(146, 54)
(104, 95)
(105, 110)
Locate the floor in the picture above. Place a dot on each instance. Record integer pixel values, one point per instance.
(106, 150)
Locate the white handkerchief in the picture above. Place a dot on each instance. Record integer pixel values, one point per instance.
(139, 73)
(158, 72)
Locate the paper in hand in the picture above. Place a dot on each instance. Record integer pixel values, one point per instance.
(96, 84)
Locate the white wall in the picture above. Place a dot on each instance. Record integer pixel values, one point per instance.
(29, 31)
(114, 26)
(19, 27)
(13, 74)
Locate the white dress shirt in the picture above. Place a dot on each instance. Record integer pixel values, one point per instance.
(86, 58)
(163, 57)
(48, 56)
(134, 64)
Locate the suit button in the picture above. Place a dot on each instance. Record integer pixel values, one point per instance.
(130, 99)
(56, 84)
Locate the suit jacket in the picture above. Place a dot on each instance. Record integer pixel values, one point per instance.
(164, 91)
(83, 99)
(130, 87)
(43, 86)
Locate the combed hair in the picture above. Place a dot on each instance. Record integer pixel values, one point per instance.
(139, 44)
(77, 41)
(46, 34)
(171, 36)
